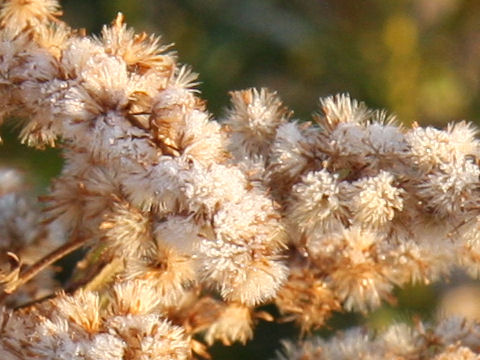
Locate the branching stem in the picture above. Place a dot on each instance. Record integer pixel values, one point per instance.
(41, 264)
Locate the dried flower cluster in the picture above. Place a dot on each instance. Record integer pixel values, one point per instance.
(190, 224)
(451, 339)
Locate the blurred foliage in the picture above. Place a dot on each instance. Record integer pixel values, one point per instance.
(418, 59)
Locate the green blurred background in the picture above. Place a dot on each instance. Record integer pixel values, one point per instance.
(418, 59)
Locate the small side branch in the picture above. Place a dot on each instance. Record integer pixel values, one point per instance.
(41, 264)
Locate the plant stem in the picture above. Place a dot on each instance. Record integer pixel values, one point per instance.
(41, 264)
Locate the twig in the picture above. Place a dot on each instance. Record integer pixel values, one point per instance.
(41, 264)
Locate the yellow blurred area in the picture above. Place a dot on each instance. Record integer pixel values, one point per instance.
(400, 35)
(417, 88)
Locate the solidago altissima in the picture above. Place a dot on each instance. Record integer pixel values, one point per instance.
(189, 224)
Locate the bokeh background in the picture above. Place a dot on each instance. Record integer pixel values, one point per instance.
(418, 59)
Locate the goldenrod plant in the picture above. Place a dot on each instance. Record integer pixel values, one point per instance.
(190, 225)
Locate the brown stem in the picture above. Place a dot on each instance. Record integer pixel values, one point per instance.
(41, 264)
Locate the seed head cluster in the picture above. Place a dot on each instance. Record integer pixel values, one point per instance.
(188, 224)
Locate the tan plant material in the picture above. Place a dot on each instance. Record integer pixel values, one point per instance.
(189, 224)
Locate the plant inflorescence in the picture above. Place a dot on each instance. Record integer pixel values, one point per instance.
(189, 224)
